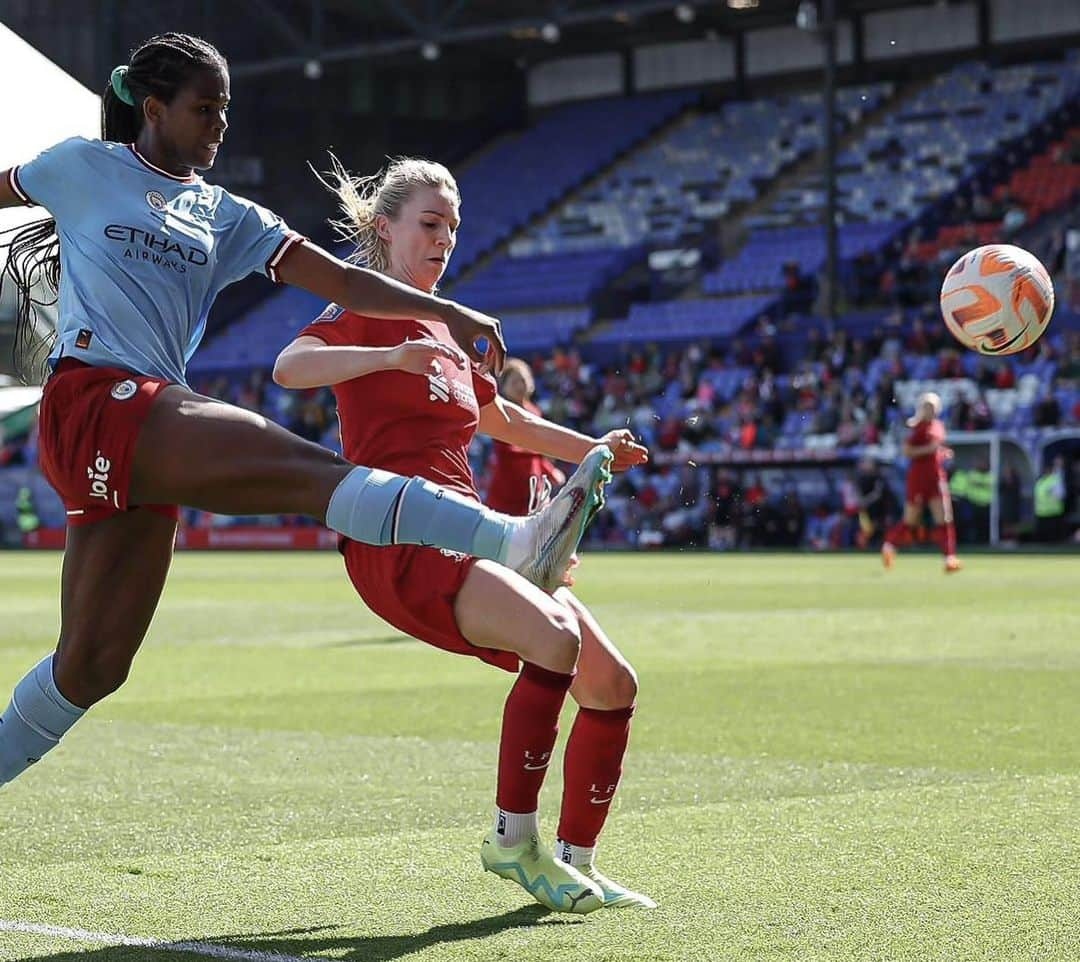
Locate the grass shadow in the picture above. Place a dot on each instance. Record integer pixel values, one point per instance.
(310, 943)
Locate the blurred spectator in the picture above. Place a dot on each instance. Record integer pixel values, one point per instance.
(877, 504)
(1014, 218)
(1050, 503)
(26, 516)
(1047, 413)
(979, 489)
(1009, 502)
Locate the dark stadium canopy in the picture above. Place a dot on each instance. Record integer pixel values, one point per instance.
(266, 37)
(338, 30)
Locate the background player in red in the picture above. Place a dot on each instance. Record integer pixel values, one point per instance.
(519, 480)
(402, 409)
(927, 485)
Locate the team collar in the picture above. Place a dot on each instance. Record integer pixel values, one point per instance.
(191, 179)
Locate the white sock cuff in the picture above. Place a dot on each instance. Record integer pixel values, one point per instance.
(512, 828)
(576, 855)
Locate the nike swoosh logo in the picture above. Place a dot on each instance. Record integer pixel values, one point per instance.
(601, 801)
(535, 768)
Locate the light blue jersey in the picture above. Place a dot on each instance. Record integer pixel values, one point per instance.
(143, 253)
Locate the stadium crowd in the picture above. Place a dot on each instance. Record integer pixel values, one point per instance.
(732, 405)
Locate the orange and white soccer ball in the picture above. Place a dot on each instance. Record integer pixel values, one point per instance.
(997, 299)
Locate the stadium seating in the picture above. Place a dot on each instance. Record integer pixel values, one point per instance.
(758, 266)
(1048, 182)
(685, 320)
(935, 140)
(524, 174)
(510, 283)
(695, 173)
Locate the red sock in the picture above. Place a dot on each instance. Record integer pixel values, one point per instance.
(945, 538)
(530, 724)
(899, 535)
(591, 771)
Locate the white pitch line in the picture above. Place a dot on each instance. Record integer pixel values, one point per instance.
(192, 948)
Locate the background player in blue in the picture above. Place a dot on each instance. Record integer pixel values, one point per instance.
(144, 246)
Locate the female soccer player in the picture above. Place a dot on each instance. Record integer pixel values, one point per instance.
(927, 485)
(421, 417)
(144, 247)
(521, 481)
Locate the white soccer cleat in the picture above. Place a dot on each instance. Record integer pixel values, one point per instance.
(557, 529)
(616, 896)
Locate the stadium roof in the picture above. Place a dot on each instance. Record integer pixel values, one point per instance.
(330, 31)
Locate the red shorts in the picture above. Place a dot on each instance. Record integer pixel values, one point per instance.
(414, 589)
(924, 487)
(88, 424)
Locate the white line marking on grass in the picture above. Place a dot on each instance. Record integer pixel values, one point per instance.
(192, 948)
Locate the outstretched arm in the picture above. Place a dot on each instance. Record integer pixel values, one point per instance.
(368, 292)
(505, 421)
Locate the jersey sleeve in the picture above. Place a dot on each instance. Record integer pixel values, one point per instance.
(57, 178)
(335, 326)
(256, 240)
(484, 387)
(936, 432)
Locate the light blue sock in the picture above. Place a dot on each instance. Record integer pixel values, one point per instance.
(382, 508)
(34, 722)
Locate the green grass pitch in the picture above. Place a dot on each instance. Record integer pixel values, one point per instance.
(828, 763)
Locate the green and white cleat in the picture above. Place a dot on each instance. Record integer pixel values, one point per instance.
(616, 896)
(562, 888)
(557, 529)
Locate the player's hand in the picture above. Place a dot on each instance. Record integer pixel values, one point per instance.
(416, 357)
(468, 326)
(628, 453)
(947, 453)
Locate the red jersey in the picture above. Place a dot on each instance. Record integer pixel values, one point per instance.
(408, 423)
(517, 475)
(922, 434)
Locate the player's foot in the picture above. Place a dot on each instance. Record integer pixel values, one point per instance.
(952, 563)
(561, 887)
(616, 896)
(557, 529)
(888, 555)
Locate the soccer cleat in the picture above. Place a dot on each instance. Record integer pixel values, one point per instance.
(952, 563)
(558, 528)
(562, 888)
(888, 555)
(616, 896)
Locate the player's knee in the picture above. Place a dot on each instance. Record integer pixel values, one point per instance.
(623, 687)
(564, 636)
(611, 689)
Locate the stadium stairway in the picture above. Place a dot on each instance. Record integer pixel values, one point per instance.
(595, 177)
(734, 233)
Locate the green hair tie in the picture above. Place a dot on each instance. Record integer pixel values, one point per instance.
(120, 86)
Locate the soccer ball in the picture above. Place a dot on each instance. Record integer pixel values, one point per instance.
(997, 299)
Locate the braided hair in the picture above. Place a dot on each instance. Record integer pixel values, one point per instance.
(159, 68)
